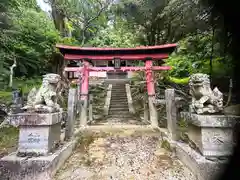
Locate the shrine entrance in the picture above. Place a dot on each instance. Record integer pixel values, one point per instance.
(117, 58)
(117, 74)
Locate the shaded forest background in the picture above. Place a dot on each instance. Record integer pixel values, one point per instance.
(28, 36)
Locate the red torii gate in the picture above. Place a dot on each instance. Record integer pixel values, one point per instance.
(147, 54)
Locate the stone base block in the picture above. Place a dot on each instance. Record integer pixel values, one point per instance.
(38, 140)
(212, 134)
(13, 167)
(39, 133)
(201, 167)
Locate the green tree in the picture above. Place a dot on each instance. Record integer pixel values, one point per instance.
(112, 37)
(80, 18)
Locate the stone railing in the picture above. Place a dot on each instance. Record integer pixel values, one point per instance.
(129, 98)
(72, 112)
(172, 103)
(108, 99)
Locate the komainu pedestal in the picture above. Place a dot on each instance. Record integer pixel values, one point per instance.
(39, 133)
(212, 134)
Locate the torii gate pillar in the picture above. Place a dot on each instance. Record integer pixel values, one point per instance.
(84, 93)
(151, 93)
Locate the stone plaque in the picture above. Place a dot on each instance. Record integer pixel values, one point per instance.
(39, 140)
(33, 139)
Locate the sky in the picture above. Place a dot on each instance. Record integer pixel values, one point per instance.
(44, 6)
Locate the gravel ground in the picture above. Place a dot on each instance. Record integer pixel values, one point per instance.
(123, 156)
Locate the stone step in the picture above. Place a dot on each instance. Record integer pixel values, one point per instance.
(118, 89)
(118, 92)
(118, 106)
(119, 116)
(124, 114)
(118, 98)
(118, 111)
(121, 104)
(115, 99)
(119, 95)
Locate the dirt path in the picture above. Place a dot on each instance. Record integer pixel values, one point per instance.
(123, 155)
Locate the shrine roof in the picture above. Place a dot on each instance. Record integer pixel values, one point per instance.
(96, 53)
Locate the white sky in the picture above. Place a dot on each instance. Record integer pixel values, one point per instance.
(44, 6)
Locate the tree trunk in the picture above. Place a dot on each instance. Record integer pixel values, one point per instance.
(58, 18)
(11, 72)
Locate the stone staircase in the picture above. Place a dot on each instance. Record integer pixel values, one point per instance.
(118, 110)
(119, 103)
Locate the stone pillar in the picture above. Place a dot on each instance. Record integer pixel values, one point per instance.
(129, 98)
(72, 102)
(108, 99)
(39, 133)
(151, 93)
(171, 110)
(84, 93)
(146, 111)
(90, 109)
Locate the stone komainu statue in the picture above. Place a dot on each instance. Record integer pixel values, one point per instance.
(44, 100)
(204, 99)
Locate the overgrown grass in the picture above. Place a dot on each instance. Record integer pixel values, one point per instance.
(8, 140)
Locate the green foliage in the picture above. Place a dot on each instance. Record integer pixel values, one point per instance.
(194, 55)
(80, 18)
(30, 39)
(27, 84)
(5, 97)
(160, 22)
(23, 84)
(112, 37)
(35, 42)
(178, 80)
